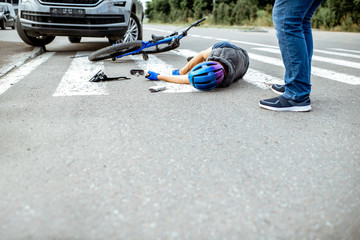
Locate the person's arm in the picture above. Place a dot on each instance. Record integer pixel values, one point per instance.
(181, 79)
(154, 76)
(199, 58)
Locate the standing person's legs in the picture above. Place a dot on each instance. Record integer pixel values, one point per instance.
(308, 31)
(288, 16)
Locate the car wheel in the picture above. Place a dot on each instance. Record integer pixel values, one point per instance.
(74, 39)
(34, 41)
(134, 31)
(2, 24)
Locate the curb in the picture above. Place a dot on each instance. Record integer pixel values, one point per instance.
(35, 52)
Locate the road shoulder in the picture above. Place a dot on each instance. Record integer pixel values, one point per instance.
(15, 54)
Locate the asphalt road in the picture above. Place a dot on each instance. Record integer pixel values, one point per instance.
(114, 161)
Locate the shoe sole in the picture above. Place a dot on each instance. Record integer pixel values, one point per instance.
(288, 109)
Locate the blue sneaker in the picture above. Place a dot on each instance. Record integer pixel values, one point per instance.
(280, 103)
(278, 89)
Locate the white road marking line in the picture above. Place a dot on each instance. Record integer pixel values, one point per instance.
(268, 46)
(332, 75)
(185, 52)
(234, 41)
(345, 50)
(75, 81)
(337, 54)
(159, 66)
(221, 39)
(260, 79)
(157, 29)
(276, 47)
(318, 58)
(8, 80)
(254, 44)
(205, 37)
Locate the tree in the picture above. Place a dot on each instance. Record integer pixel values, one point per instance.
(201, 8)
(332, 14)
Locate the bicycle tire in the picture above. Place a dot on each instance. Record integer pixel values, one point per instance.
(114, 50)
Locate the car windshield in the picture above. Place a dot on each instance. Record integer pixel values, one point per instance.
(1, 8)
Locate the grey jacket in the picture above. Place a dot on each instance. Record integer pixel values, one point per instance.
(235, 60)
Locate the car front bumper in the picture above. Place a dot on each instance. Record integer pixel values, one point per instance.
(105, 19)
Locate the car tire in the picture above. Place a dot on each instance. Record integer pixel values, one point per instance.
(2, 24)
(134, 31)
(33, 41)
(74, 39)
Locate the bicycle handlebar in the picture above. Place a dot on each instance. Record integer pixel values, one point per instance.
(198, 22)
(195, 24)
(184, 33)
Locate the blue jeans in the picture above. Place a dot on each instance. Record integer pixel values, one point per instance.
(293, 29)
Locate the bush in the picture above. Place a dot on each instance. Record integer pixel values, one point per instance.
(342, 15)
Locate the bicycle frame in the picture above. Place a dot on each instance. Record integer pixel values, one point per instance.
(148, 44)
(172, 38)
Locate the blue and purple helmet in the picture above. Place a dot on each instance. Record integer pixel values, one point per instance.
(206, 75)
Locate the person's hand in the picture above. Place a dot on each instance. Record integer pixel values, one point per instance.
(153, 76)
(176, 72)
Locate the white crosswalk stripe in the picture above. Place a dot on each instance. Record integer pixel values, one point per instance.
(163, 68)
(260, 79)
(233, 41)
(345, 50)
(318, 58)
(324, 73)
(15, 76)
(75, 81)
(329, 74)
(337, 53)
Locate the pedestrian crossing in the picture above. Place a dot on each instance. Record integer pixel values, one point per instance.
(17, 75)
(315, 71)
(346, 50)
(339, 62)
(75, 80)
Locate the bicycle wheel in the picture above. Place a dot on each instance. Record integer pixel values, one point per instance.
(114, 50)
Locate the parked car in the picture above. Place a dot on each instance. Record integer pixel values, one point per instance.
(40, 21)
(7, 16)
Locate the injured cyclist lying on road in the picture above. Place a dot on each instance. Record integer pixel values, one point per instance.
(217, 66)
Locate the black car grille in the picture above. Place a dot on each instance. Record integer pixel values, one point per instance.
(75, 2)
(87, 20)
